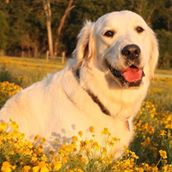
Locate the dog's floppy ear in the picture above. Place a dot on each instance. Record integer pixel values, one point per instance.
(154, 54)
(85, 48)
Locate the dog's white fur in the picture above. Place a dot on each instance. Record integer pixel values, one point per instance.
(59, 106)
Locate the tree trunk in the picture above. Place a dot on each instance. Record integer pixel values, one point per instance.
(7, 1)
(47, 9)
(68, 9)
(149, 18)
(50, 39)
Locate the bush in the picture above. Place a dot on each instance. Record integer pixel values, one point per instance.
(165, 42)
(5, 75)
(7, 90)
(153, 133)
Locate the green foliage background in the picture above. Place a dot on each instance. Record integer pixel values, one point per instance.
(23, 24)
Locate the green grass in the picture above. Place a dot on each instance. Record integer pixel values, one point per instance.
(25, 71)
(163, 71)
(160, 93)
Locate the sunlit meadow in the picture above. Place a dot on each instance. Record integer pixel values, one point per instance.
(151, 150)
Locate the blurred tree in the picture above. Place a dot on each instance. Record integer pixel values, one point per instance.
(7, 1)
(17, 25)
(3, 31)
(24, 24)
(165, 60)
(53, 44)
(68, 9)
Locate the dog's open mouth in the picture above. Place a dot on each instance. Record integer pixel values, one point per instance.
(131, 77)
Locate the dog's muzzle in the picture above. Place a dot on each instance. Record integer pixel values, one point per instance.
(131, 77)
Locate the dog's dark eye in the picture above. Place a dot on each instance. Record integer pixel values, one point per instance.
(109, 33)
(139, 29)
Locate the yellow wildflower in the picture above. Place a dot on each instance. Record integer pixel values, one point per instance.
(79, 170)
(26, 168)
(74, 138)
(36, 169)
(140, 169)
(8, 89)
(80, 133)
(106, 131)
(83, 144)
(42, 167)
(162, 132)
(146, 142)
(57, 165)
(163, 154)
(6, 167)
(65, 159)
(3, 126)
(96, 146)
(91, 129)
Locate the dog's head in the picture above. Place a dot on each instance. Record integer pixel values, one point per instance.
(120, 43)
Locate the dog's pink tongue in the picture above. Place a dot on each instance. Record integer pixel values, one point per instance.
(132, 74)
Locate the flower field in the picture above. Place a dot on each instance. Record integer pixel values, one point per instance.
(150, 151)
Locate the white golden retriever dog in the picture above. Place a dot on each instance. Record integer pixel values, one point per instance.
(103, 86)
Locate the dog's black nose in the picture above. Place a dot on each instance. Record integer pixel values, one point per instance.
(131, 51)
